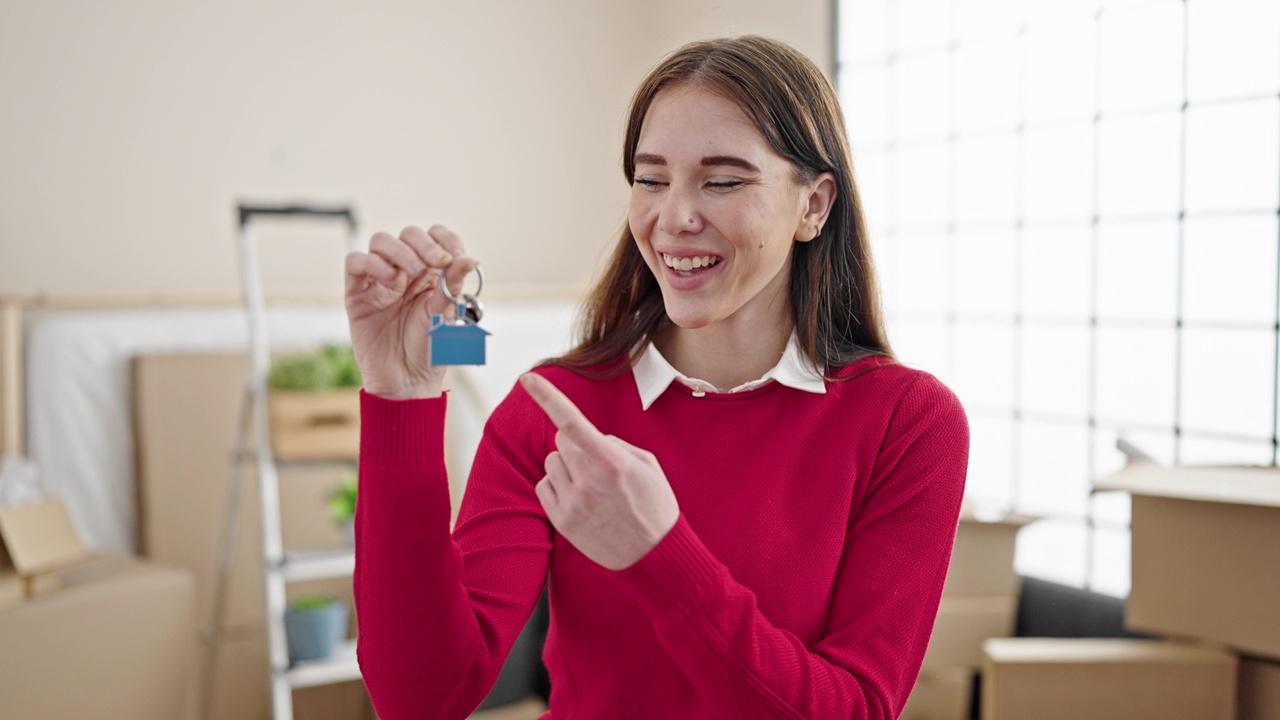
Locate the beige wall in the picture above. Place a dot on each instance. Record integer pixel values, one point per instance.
(129, 133)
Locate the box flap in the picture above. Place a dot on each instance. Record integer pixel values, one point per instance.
(970, 512)
(1238, 484)
(40, 537)
(1068, 651)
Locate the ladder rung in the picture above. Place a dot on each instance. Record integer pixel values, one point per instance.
(317, 564)
(339, 667)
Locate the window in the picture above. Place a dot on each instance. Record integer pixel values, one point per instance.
(1074, 208)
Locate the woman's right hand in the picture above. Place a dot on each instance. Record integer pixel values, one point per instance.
(391, 295)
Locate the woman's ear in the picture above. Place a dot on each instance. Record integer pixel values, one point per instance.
(819, 197)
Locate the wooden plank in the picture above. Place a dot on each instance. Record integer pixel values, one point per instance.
(12, 394)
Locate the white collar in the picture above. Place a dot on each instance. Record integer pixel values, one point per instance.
(654, 375)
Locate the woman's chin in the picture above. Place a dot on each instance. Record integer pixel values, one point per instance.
(689, 318)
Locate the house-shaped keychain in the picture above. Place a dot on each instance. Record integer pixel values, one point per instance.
(460, 344)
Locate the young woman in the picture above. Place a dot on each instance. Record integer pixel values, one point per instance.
(744, 507)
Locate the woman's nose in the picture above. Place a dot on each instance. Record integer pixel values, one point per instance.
(678, 214)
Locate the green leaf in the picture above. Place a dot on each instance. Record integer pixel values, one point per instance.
(312, 602)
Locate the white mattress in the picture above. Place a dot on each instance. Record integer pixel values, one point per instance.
(79, 395)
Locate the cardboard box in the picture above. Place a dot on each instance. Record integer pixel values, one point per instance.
(982, 561)
(1205, 545)
(941, 694)
(1259, 690)
(113, 643)
(242, 686)
(1106, 679)
(529, 709)
(185, 424)
(36, 541)
(321, 425)
(964, 623)
(186, 414)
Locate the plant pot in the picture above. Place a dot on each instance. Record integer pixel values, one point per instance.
(313, 633)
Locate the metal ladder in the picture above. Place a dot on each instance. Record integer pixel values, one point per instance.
(253, 445)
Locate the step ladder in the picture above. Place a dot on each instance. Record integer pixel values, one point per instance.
(253, 448)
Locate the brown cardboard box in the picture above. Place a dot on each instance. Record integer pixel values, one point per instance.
(113, 643)
(1204, 553)
(528, 709)
(982, 562)
(243, 690)
(186, 419)
(964, 622)
(1106, 679)
(322, 425)
(185, 423)
(1259, 690)
(941, 694)
(36, 541)
(11, 589)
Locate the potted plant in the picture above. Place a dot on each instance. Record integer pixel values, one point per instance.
(314, 626)
(342, 506)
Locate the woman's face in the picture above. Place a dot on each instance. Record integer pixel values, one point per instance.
(715, 210)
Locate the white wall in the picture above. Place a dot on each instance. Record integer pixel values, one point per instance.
(128, 132)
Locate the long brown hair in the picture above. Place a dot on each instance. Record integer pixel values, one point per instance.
(833, 295)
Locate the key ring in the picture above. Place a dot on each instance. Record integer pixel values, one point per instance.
(445, 286)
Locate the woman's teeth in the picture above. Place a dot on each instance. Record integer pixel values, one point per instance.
(690, 263)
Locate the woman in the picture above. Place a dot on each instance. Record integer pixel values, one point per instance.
(744, 507)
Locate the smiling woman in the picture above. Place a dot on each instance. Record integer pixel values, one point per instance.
(743, 505)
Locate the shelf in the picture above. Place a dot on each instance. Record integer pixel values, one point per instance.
(339, 667)
(317, 564)
(249, 456)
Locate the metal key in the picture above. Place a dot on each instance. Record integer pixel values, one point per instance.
(474, 311)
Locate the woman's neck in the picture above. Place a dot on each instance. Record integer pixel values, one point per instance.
(723, 355)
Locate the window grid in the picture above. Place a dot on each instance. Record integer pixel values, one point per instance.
(953, 323)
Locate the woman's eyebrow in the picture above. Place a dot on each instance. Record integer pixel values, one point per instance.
(729, 160)
(709, 161)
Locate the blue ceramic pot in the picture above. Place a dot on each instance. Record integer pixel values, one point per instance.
(314, 633)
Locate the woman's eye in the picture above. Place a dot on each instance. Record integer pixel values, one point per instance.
(649, 183)
(721, 185)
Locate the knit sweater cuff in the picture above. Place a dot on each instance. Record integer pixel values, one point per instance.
(677, 571)
(401, 432)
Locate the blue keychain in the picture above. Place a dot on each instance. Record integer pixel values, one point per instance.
(460, 341)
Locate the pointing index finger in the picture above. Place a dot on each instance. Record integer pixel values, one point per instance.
(566, 416)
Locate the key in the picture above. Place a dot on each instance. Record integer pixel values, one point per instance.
(474, 310)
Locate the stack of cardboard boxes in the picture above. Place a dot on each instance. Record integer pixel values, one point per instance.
(84, 636)
(979, 601)
(1206, 576)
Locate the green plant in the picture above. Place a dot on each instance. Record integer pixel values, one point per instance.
(333, 366)
(300, 373)
(312, 602)
(342, 501)
(342, 358)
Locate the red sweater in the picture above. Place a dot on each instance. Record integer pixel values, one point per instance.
(802, 579)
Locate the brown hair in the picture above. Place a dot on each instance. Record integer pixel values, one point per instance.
(833, 295)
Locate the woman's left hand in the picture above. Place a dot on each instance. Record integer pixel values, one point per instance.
(606, 496)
